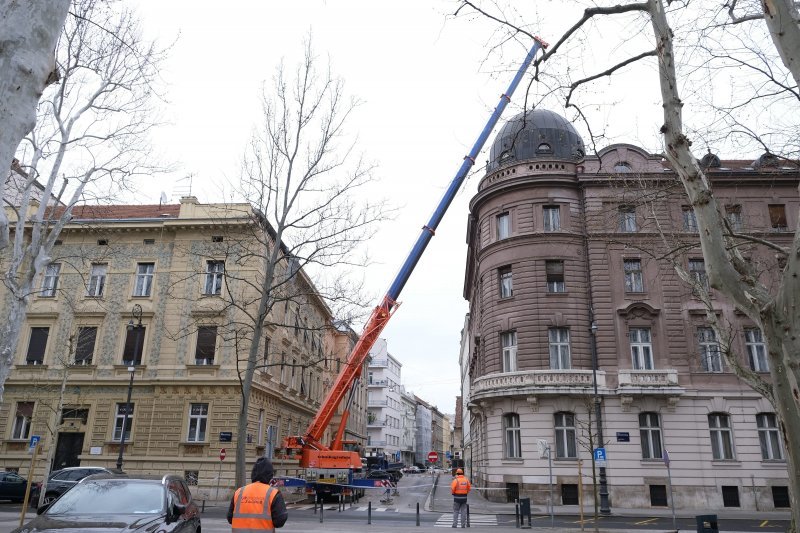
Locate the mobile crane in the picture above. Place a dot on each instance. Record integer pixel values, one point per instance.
(327, 468)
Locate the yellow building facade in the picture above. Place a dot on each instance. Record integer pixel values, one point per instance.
(160, 301)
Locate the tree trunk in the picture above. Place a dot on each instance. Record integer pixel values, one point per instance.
(29, 30)
(782, 20)
(776, 316)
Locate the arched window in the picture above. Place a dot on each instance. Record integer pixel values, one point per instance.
(622, 167)
(512, 441)
(544, 148)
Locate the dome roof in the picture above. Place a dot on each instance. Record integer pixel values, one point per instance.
(537, 134)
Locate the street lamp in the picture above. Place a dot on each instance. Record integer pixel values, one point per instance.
(604, 505)
(136, 313)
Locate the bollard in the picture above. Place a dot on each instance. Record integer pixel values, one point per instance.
(321, 509)
(369, 512)
(468, 516)
(203, 509)
(516, 514)
(339, 507)
(315, 504)
(417, 514)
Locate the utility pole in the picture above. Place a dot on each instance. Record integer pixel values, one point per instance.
(605, 508)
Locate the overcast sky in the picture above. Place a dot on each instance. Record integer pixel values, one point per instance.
(427, 86)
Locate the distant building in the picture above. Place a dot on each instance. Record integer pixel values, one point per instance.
(384, 408)
(555, 235)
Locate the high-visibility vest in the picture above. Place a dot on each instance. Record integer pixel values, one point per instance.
(460, 486)
(252, 512)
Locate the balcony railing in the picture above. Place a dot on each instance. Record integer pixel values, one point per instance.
(537, 382)
(378, 383)
(377, 403)
(379, 362)
(648, 378)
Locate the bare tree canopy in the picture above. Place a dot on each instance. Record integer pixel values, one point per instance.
(90, 138)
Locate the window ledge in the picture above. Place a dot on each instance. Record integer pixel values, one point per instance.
(128, 443)
(505, 298)
(512, 461)
(565, 459)
(774, 463)
(562, 293)
(38, 368)
(194, 443)
(725, 462)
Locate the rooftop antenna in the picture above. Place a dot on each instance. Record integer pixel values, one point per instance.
(183, 186)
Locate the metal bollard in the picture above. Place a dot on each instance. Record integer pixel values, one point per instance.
(516, 514)
(417, 514)
(369, 512)
(321, 509)
(203, 509)
(468, 516)
(315, 503)
(339, 507)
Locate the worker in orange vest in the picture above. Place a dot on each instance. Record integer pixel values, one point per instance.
(460, 488)
(257, 506)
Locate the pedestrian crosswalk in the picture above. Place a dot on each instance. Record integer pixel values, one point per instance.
(446, 520)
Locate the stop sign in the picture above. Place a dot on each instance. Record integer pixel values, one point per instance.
(222, 454)
(433, 457)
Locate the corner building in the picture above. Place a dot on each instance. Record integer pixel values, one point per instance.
(571, 252)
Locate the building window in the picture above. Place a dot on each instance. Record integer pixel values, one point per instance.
(84, 350)
(554, 270)
(777, 217)
(658, 495)
(198, 419)
(769, 437)
(689, 219)
(622, 167)
(559, 349)
(552, 217)
(641, 348)
(22, 421)
(566, 442)
(503, 226)
(697, 271)
(780, 497)
(509, 341)
(730, 496)
(756, 350)
(50, 280)
(134, 346)
(719, 426)
(506, 282)
(511, 435)
(191, 476)
(634, 281)
(37, 346)
(119, 419)
(214, 273)
(710, 353)
(206, 345)
(627, 219)
(734, 215)
(650, 434)
(97, 280)
(144, 279)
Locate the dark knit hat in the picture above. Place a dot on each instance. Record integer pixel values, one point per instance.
(262, 470)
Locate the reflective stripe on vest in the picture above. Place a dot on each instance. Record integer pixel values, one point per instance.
(460, 486)
(252, 512)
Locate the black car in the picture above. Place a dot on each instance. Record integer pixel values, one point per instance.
(12, 486)
(378, 474)
(119, 502)
(62, 480)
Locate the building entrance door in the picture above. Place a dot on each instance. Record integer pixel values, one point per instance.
(68, 449)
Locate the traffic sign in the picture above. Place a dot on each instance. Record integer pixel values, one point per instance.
(34, 441)
(600, 456)
(433, 457)
(665, 457)
(222, 454)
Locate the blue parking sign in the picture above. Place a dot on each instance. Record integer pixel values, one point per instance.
(34, 441)
(600, 455)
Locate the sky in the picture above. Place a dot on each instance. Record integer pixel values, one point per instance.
(428, 85)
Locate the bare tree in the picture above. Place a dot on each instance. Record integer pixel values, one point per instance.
(772, 308)
(302, 179)
(89, 140)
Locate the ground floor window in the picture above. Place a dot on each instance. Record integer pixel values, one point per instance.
(658, 495)
(569, 494)
(780, 497)
(730, 496)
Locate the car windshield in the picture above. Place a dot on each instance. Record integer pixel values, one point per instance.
(110, 497)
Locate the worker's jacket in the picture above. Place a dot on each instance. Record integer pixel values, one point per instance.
(252, 512)
(460, 487)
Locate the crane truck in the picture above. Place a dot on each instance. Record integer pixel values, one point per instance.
(330, 468)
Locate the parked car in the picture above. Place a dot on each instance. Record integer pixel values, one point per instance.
(12, 486)
(379, 474)
(117, 502)
(62, 480)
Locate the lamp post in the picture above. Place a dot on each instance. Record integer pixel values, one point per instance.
(136, 313)
(604, 505)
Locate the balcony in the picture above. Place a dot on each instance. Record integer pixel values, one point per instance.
(378, 383)
(377, 403)
(649, 382)
(379, 363)
(538, 382)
